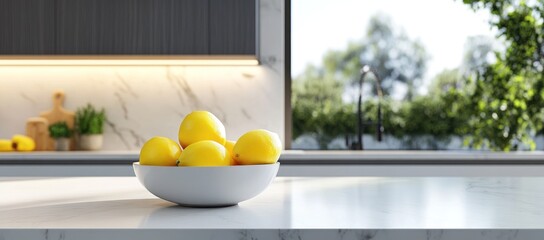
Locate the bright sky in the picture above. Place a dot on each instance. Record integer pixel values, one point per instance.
(441, 25)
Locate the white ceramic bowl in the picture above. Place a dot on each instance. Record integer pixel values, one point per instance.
(206, 186)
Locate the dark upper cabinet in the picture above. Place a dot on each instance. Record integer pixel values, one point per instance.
(233, 27)
(26, 27)
(128, 27)
(140, 27)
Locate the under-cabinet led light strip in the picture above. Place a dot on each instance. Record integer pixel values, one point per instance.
(128, 61)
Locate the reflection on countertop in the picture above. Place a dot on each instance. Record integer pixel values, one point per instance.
(289, 203)
(345, 208)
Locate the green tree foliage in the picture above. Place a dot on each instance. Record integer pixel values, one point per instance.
(318, 108)
(444, 81)
(505, 101)
(317, 93)
(496, 98)
(478, 54)
(396, 58)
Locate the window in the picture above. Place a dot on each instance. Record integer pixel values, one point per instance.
(435, 75)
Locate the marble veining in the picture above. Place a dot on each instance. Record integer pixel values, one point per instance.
(145, 101)
(125, 86)
(434, 234)
(179, 82)
(123, 104)
(270, 234)
(24, 96)
(115, 131)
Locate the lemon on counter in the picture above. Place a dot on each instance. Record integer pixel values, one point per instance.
(160, 151)
(6, 145)
(23, 143)
(204, 153)
(257, 147)
(229, 145)
(199, 126)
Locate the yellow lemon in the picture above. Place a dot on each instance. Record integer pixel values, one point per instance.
(257, 147)
(199, 126)
(6, 145)
(23, 143)
(229, 145)
(204, 153)
(160, 151)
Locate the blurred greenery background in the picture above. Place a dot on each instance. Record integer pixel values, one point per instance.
(494, 100)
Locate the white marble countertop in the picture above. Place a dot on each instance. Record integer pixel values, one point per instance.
(289, 203)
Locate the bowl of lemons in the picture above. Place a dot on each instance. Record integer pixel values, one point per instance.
(203, 168)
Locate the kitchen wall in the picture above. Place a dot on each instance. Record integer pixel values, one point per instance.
(142, 102)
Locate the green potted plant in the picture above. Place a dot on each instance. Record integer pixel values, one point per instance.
(89, 124)
(61, 133)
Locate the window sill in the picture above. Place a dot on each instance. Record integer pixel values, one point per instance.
(412, 157)
(297, 157)
(297, 163)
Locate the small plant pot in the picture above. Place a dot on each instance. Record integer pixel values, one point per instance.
(62, 144)
(90, 142)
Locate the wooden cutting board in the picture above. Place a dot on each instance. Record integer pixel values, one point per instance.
(37, 129)
(58, 114)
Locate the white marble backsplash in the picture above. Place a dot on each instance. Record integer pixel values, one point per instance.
(142, 102)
